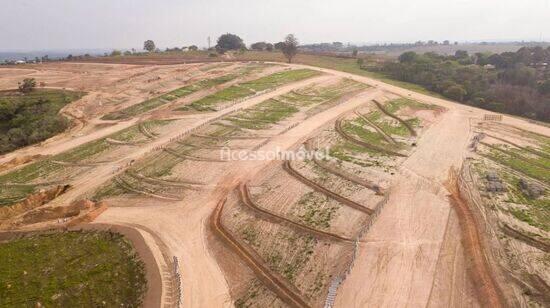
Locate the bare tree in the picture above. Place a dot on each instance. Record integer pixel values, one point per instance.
(290, 47)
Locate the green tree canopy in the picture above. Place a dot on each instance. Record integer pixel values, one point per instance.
(149, 45)
(228, 42)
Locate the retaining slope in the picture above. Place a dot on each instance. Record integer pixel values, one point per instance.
(288, 168)
(271, 280)
(244, 195)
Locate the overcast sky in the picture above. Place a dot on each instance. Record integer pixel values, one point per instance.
(65, 24)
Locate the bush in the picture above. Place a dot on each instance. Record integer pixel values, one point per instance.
(27, 85)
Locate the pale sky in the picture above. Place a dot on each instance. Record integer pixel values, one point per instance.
(65, 24)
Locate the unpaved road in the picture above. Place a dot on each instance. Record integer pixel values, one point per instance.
(397, 260)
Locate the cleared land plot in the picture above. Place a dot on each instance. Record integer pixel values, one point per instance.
(277, 109)
(245, 89)
(71, 269)
(168, 97)
(534, 211)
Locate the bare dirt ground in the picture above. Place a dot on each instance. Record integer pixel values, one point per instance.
(412, 254)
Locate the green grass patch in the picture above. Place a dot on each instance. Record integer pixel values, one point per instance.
(521, 165)
(263, 114)
(315, 212)
(277, 109)
(535, 212)
(168, 97)
(71, 269)
(245, 89)
(33, 117)
(46, 167)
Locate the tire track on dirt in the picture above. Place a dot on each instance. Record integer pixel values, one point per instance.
(538, 153)
(275, 283)
(490, 293)
(244, 195)
(391, 115)
(288, 168)
(388, 138)
(338, 127)
(341, 173)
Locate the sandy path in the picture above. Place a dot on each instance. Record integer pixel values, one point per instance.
(396, 266)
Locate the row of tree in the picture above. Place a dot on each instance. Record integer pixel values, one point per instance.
(511, 82)
(228, 42)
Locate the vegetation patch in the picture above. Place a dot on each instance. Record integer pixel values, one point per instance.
(534, 211)
(520, 164)
(71, 269)
(29, 118)
(47, 167)
(168, 97)
(245, 89)
(274, 110)
(315, 210)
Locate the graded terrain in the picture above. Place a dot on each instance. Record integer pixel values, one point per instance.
(409, 200)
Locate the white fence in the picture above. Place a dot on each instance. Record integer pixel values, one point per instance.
(337, 281)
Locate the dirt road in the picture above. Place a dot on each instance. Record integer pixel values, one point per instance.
(396, 264)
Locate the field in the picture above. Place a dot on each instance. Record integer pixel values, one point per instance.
(71, 269)
(270, 184)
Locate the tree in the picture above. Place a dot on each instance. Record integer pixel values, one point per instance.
(461, 54)
(228, 42)
(149, 45)
(455, 92)
(290, 48)
(269, 47)
(27, 85)
(519, 75)
(258, 46)
(408, 57)
(544, 87)
(115, 53)
(193, 48)
(279, 45)
(354, 52)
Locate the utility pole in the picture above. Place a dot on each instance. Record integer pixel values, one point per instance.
(208, 39)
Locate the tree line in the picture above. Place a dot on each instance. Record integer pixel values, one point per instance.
(510, 82)
(232, 42)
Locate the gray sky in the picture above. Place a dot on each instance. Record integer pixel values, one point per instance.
(63, 24)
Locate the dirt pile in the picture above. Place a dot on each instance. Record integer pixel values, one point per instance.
(32, 201)
(18, 161)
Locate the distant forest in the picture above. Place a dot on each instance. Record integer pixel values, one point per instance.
(510, 82)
